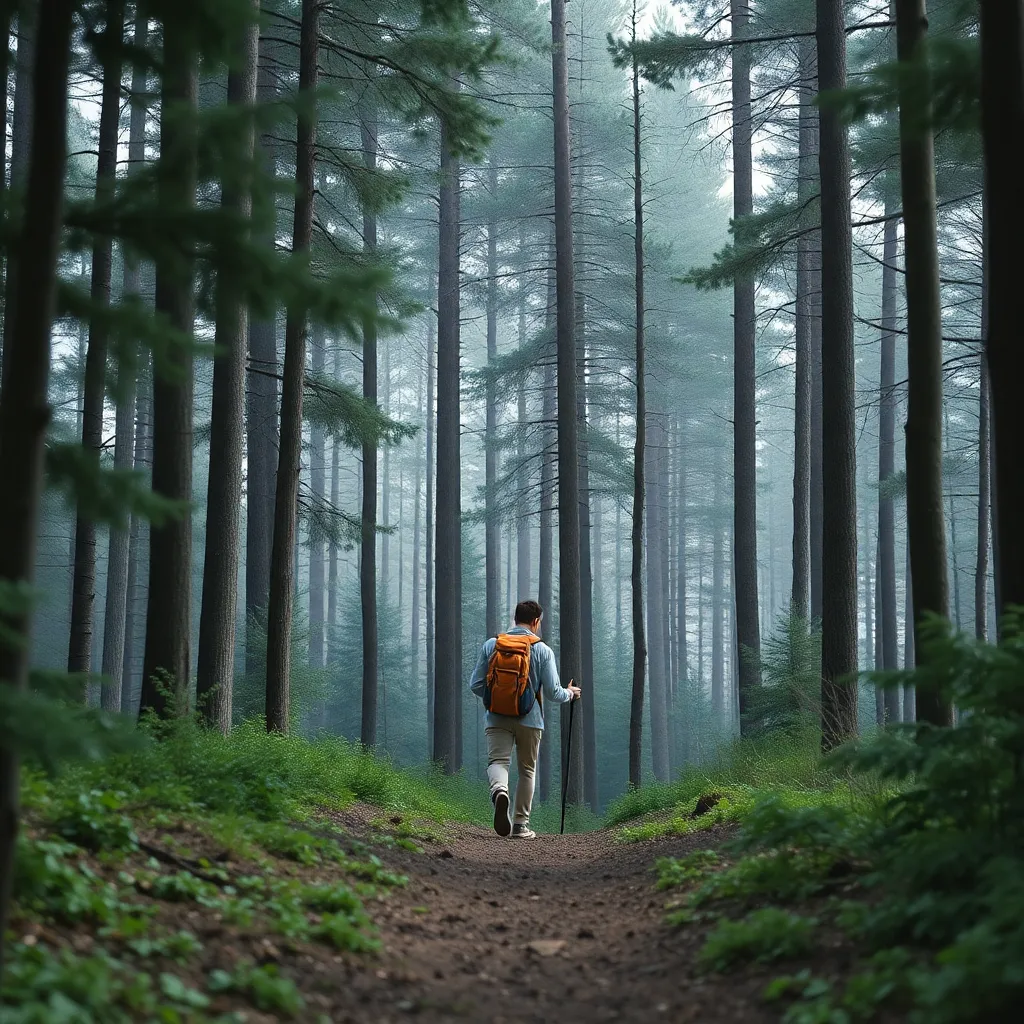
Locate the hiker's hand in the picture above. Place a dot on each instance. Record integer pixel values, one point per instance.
(575, 691)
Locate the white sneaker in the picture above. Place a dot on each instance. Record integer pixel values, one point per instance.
(502, 818)
(523, 832)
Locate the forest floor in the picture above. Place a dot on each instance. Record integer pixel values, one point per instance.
(560, 928)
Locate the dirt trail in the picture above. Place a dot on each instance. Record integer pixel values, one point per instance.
(457, 939)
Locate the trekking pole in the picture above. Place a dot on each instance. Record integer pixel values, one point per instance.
(568, 763)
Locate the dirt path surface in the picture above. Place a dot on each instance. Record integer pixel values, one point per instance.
(558, 929)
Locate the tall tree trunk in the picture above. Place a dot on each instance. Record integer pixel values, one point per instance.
(838, 385)
(83, 587)
(1002, 104)
(8, 9)
(681, 569)
(569, 621)
(24, 406)
(282, 570)
(138, 551)
(415, 660)
(332, 552)
(869, 612)
(368, 536)
(448, 617)
(909, 659)
(523, 553)
(318, 492)
(215, 673)
(926, 523)
(385, 483)
(118, 593)
(981, 564)
(492, 528)
(262, 434)
(590, 792)
(718, 605)
(657, 614)
(799, 606)
(545, 568)
(428, 531)
(22, 135)
(744, 381)
(167, 661)
(887, 452)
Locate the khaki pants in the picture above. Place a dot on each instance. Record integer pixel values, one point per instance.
(500, 740)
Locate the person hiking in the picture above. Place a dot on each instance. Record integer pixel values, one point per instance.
(515, 676)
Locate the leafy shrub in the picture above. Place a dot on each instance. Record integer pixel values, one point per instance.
(263, 986)
(93, 819)
(762, 936)
(942, 857)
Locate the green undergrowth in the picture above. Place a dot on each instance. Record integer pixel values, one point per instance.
(916, 885)
(786, 765)
(133, 871)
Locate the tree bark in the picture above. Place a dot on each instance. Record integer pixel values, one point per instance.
(569, 612)
(262, 430)
(117, 599)
(138, 551)
(718, 605)
(1002, 104)
(332, 552)
(21, 150)
(24, 405)
(215, 673)
(800, 597)
(523, 553)
(545, 568)
(492, 528)
(981, 564)
(83, 587)
(744, 378)
(590, 792)
(318, 492)
(926, 524)
(167, 661)
(838, 385)
(415, 660)
(428, 530)
(368, 536)
(282, 569)
(448, 617)
(657, 614)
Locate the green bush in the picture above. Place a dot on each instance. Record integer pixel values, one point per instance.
(762, 936)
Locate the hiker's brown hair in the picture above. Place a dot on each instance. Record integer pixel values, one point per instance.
(527, 612)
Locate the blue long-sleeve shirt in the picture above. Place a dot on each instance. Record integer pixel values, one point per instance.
(543, 679)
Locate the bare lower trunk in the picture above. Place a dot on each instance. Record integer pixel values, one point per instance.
(569, 621)
(492, 528)
(262, 435)
(83, 588)
(428, 530)
(448, 557)
(119, 580)
(24, 406)
(368, 535)
(216, 662)
(799, 606)
(167, 662)
(926, 524)
(545, 569)
(282, 569)
(318, 492)
(744, 380)
(839, 465)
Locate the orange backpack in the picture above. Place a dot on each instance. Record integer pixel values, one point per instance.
(508, 689)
